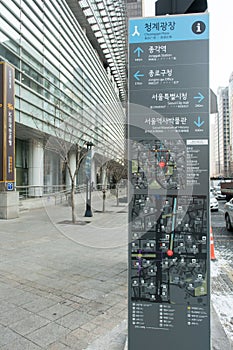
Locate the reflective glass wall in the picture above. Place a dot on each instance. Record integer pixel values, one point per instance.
(62, 74)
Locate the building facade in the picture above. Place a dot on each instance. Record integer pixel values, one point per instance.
(135, 8)
(70, 69)
(223, 133)
(231, 121)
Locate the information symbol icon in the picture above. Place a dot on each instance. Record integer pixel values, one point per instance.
(198, 27)
(10, 186)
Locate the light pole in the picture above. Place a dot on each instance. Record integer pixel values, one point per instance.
(88, 212)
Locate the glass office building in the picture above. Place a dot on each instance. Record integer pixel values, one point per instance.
(135, 8)
(69, 58)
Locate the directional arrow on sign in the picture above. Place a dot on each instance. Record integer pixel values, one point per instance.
(137, 75)
(199, 97)
(199, 123)
(138, 50)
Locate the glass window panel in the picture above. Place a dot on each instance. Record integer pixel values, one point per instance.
(28, 97)
(17, 74)
(9, 56)
(47, 94)
(12, 45)
(51, 73)
(17, 103)
(31, 72)
(31, 60)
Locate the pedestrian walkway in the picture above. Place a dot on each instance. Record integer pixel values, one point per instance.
(64, 286)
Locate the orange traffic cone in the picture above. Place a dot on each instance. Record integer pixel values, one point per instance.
(212, 253)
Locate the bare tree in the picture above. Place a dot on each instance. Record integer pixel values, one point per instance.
(66, 141)
(117, 171)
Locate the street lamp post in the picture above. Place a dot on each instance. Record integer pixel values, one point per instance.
(88, 212)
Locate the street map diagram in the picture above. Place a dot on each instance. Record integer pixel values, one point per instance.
(168, 248)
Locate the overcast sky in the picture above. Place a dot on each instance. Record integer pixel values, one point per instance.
(221, 40)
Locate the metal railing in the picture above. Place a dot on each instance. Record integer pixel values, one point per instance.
(59, 192)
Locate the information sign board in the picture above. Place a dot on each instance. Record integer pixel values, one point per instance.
(7, 124)
(169, 287)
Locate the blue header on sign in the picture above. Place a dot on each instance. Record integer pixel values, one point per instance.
(169, 28)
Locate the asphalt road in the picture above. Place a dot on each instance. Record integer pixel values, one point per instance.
(217, 217)
(222, 275)
(223, 239)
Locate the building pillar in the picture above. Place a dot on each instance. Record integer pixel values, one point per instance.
(9, 205)
(72, 164)
(36, 168)
(104, 177)
(52, 171)
(93, 173)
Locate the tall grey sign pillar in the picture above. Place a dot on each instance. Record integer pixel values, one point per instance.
(9, 198)
(169, 272)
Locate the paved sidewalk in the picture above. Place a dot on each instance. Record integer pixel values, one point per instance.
(64, 286)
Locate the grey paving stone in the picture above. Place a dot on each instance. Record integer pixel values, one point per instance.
(13, 316)
(6, 307)
(83, 334)
(39, 304)
(89, 326)
(74, 319)
(29, 324)
(92, 294)
(58, 346)
(108, 341)
(8, 292)
(48, 334)
(79, 300)
(56, 311)
(21, 344)
(93, 308)
(7, 336)
(112, 298)
(75, 342)
(89, 284)
(23, 298)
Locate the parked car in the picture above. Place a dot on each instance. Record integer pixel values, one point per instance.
(228, 213)
(214, 191)
(219, 193)
(227, 189)
(213, 202)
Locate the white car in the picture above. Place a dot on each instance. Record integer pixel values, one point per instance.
(228, 213)
(213, 203)
(219, 194)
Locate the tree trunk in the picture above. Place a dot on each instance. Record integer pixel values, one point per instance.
(104, 198)
(117, 196)
(73, 202)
